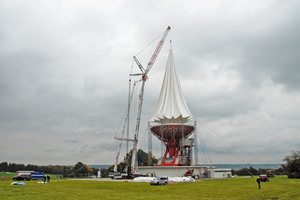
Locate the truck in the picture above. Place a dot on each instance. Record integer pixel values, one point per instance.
(118, 175)
(28, 175)
(263, 178)
(269, 173)
(22, 175)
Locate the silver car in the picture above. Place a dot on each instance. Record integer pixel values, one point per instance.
(159, 181)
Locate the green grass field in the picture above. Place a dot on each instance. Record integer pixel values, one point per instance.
(234, 188)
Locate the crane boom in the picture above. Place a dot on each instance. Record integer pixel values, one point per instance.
(157, 50)
(144, 78)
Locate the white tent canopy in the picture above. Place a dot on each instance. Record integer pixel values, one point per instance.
(171, 106)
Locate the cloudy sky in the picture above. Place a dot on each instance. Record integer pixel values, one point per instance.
(64, 69)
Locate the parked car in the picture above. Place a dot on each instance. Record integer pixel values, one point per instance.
(24, 177)
(263, 178)
(159, 181)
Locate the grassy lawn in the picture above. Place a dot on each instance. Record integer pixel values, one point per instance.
(235, 188)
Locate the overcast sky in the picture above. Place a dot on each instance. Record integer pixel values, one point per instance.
(64, 69)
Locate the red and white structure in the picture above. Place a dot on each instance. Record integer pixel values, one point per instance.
(171, 120)
(172, 123)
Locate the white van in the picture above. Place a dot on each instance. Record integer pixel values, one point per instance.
(159, 181)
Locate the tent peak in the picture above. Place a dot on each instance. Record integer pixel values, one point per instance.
(171, 106)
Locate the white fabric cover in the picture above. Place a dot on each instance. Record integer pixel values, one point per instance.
(171, 106)
(143, 179)
(170, 179)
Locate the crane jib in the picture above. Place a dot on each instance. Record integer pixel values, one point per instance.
(157, 50)
(150, 64)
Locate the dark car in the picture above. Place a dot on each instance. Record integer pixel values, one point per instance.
(23, 177)
(263, 178)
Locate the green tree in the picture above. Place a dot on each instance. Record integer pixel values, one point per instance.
(95, 171)
(253, 171)
(80, 169)
(292, 165)
(3, 166)
(32, 168)
(105, 172)
(12, 167)
(142, 158)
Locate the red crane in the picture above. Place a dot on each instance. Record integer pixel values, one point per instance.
(144, 78)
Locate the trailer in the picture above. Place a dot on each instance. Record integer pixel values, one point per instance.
(37, 175)
(19, 173)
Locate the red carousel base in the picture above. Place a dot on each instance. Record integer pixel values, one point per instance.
(170, 135)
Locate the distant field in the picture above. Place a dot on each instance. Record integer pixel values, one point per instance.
(6, 176)
(235, 188)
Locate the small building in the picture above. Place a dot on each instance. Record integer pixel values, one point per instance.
(222, 173)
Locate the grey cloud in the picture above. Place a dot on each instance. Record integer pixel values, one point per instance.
(64, 73)
(51, 150)
(71, 141)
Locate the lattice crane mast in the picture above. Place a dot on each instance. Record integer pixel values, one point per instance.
(144, 78)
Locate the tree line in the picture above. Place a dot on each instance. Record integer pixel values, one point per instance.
(252, 171)
(79, 170)
(292, 164)
(142, 160)
(291, 168)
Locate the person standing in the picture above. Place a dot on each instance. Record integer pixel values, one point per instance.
(44, 178)
(48, 178)
(258, 182)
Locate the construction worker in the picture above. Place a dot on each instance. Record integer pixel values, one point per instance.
(44, 178)
(258, 181)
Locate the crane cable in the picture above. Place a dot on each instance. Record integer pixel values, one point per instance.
(81, 168)
(249, 155)
(228, 153)
(203, 148)
(230, 156)
(149, 44)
